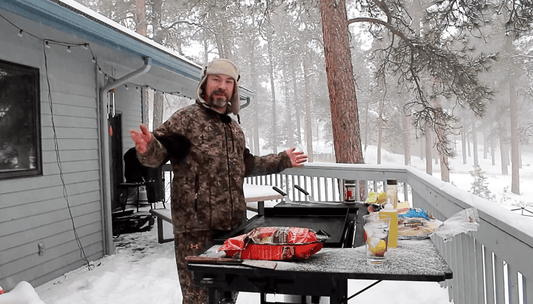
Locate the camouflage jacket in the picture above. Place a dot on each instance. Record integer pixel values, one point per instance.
(210, 161)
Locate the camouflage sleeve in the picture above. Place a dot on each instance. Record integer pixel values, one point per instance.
(167, 142)
(268, 164)
(155, 154)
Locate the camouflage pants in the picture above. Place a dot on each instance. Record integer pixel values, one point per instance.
(187, 244)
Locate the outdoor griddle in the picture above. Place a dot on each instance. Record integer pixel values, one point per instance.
(338, 220)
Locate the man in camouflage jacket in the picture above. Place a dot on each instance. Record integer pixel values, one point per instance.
(210, 161)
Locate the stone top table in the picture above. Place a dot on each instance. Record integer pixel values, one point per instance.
(326, 273)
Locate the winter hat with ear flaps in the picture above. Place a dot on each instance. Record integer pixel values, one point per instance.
(225, 67)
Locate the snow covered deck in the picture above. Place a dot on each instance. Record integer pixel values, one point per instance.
(492, 265)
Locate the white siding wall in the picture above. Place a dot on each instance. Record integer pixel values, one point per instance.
(128, 103)
(33, 210)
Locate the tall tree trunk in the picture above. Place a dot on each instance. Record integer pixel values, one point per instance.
(297, 104)
(308, 130)
(429, 150)
(273, 91)
(509, 49)
(341, 84)
(157, 6)
(504, 153)
(380, 133)
(367, 106)
(140, 11)
(493, 149)
(217, 33)
(422, 145)
(515, 154)
(463, 144)
(485, 144)
(227, 43)
(205, 44)
(444, 168)
(474, 143)
(288, 102)
(406, 140)
(255, 104)
(141, 28)
(159, 99)
(468, 135)
(380, 127)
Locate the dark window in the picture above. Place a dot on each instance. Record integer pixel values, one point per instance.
(20, 121)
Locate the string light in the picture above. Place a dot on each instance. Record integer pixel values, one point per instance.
(86, 46)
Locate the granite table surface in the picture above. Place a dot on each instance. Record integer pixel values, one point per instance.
(414, 260)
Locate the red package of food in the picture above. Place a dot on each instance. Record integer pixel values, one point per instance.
(274, 243)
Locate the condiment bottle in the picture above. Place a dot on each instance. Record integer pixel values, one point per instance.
(392, 213)
(392, 192)
(349, 190)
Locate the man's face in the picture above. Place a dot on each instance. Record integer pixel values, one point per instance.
(218, 90)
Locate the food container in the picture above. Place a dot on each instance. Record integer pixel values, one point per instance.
(350, 190)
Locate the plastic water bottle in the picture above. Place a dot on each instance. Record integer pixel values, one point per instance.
(392, 192)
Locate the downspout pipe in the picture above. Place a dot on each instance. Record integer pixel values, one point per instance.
(109, 246)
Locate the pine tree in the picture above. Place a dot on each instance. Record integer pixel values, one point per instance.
(479, 186)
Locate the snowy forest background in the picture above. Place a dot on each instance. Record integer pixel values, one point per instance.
(402, 107)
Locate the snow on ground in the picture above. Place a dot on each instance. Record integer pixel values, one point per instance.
(142, 271)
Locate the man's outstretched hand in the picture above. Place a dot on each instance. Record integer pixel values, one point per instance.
(297, 158)
(141, 139)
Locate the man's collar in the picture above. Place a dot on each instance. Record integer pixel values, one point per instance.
(224, 117)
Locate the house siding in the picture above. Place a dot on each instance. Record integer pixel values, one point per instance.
(36, 210)
(128, 103)
(68, 208)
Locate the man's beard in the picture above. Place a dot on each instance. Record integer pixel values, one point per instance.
(218, 101)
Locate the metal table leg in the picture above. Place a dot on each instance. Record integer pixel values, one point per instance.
(341, 294)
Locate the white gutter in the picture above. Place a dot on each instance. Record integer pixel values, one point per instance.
(109, 246)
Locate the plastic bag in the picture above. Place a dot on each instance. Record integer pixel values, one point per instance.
(416, 223)
(274, 243)
(462, 222)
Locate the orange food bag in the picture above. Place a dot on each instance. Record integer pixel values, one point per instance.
(274, 243)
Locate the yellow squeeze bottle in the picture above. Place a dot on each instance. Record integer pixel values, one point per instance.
(390, 212)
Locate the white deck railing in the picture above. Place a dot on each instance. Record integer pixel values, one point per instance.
(492, 265)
